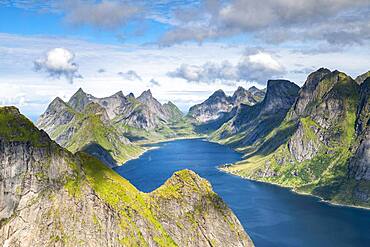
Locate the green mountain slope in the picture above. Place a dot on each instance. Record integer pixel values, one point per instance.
(311, 149)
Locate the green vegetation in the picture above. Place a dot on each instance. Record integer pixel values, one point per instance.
(270, 158)
(16, 127)
(125, 199)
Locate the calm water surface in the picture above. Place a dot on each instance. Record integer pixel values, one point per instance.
(272, 216)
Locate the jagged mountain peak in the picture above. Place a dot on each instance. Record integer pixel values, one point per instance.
(253, 89)
(57, 102)
(146, 94)
(218, 93)
(79, 100)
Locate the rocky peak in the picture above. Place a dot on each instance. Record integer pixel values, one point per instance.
(56, 105)
(153, 104)
(58, 113)
(280, 95)
(258, 94)
(79, 100)
(361, 78)
(242, 95)
(146, 94)
(306, 93)
(219, 94)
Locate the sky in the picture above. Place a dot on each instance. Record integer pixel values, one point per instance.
(183, 50)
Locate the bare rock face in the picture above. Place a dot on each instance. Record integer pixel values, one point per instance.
(301, 147)
(256, 121)
(359, 164)
(50, 197)
(58, 113)
(323, 106)
(309, 92)
(211, 109)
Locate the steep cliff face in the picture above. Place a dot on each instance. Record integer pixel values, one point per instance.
(253, 122)
(50, 197)
(359, 164)
(321, 147)
(332, 105)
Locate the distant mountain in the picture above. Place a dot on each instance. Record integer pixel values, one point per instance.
(321, 145)
(50, 197)
(75, 130)
(252, 122)
(112, 123)
(219, 108)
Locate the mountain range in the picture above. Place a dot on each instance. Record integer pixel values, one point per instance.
(51, 197)
(219, 108)
(314, 139)
(106, 127)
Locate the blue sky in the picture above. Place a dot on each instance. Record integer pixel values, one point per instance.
(189, 48)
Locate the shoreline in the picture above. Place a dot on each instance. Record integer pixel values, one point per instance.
(321, 200)
(221, 169)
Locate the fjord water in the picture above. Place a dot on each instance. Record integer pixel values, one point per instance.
(271, 215)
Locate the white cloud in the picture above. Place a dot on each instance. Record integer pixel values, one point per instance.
(58, 62)
(258, 67)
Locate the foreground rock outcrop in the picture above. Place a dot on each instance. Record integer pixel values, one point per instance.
(50, 197)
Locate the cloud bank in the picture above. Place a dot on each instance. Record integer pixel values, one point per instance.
(57, 63)
(258, 67)
(104, 14)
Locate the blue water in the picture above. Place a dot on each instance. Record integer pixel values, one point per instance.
(272, 216)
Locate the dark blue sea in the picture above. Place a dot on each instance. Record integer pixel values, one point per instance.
(271, 215)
